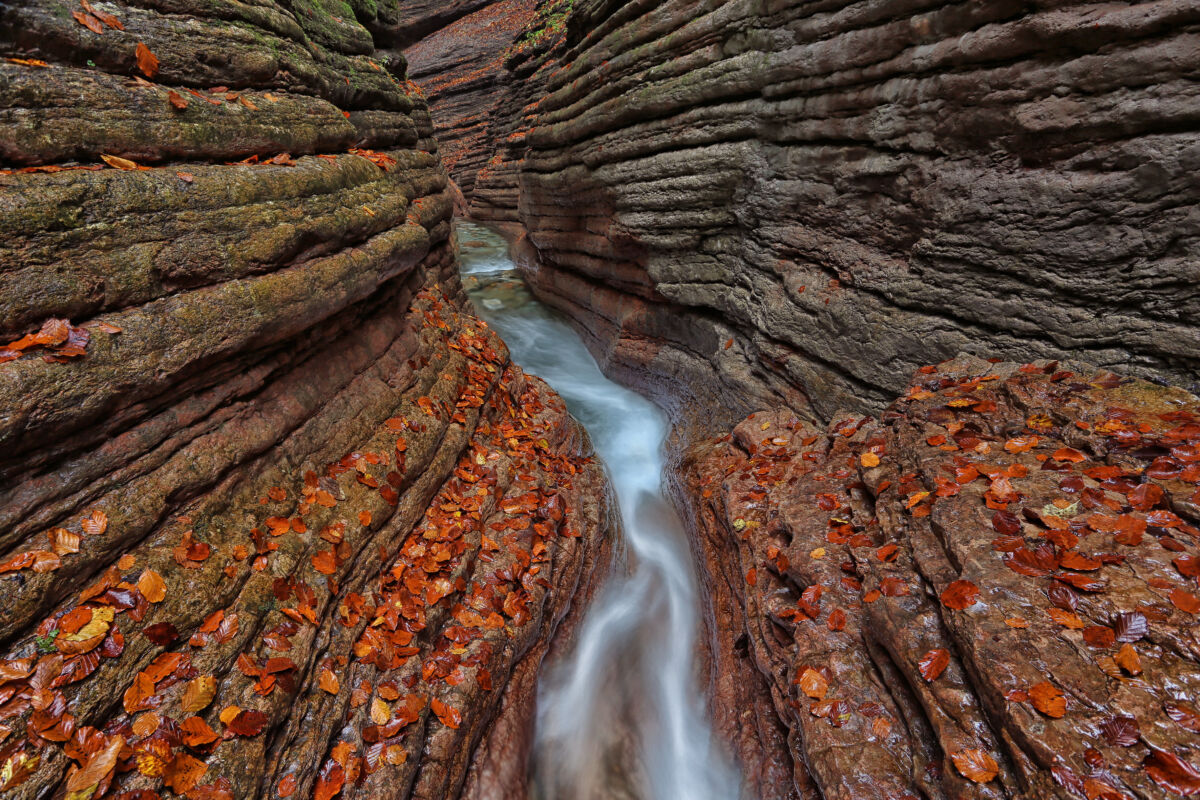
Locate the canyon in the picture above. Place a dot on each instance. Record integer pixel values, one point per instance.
(914, 282)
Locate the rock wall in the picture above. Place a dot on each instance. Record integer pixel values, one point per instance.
(848, 191)
(768, 216)
(278, 517)
(461, 68)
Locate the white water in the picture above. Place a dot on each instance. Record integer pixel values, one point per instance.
(622, 715)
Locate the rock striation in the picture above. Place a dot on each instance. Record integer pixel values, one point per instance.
(278, 516)
(769, 216)
(849, 191)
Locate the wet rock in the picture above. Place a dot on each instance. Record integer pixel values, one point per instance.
(278, 516)
(988, 592)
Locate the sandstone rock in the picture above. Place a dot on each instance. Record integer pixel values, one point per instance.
(288, 520)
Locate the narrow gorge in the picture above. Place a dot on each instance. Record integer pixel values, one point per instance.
(600, 399)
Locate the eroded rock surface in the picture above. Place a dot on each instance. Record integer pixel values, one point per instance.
(851, 190)
(278, 517)
(991, 592)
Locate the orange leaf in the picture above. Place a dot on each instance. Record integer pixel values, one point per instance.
(324, 562)
(97, 522)
(1127, 659)
(813, 684)
(199, 693)
(869, 460)
(177, 100)
(147, 62)
(975, 765)
(152, 586)
(449, 715)
(197, 732)
(329, 681)
(116, 162)
(1048, 699)
(88, 21)
(287, 786)
(934, 663)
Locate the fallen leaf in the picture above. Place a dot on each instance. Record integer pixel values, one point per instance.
(934, 663)
(813, 684)
(178, 101)
(960, 595)
(449, 715)
(152, 586)
(117, 162)
(1127, 659)
(147, 62)
(199, 693)
(975, 765)
(197, 732)
(1048, 699)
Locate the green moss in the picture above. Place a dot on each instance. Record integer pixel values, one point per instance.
(551, 21)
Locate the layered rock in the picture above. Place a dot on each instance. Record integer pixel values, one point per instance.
(461, 69)
(278, 516)
(989, 593)
(848, 191)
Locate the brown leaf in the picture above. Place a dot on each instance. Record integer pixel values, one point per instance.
(1172, 773)
(247, 723)
(1099, 636)
(975, 765)
(328, 681)
(1121, 731)
(1131, 626)
(147, 62)
(177, 101)
(934, 663)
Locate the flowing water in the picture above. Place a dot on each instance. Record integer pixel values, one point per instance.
(622, 715)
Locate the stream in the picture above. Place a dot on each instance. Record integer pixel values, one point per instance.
(621, 715)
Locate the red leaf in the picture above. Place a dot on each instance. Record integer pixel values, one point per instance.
(934, 663)
(1170, 772)
(1121, 731)
(960, 595)
(248, 723)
